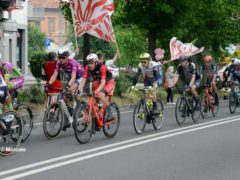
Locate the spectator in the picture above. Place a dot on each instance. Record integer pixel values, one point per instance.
(108, 63)
(169, 77)
(48, 70)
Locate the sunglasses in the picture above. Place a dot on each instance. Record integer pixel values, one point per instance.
(143, 62)
(91, 62)
(61, 57)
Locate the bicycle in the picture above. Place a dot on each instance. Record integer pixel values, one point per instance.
(11, 132)
(58, 116)
(91, 117)
(208, 102)
(234, 97)
(187, 104)
(143, 114)
(25, 113)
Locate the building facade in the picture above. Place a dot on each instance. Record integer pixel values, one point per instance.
(48, 17)
(13, 36)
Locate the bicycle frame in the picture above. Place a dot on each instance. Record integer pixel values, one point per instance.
(208, 96)
(146, 95)
(64, 106)
(186, 98)
(94, 109)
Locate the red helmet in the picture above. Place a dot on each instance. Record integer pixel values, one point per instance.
(207, 59)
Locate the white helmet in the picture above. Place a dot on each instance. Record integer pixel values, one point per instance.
(235, 60)
(92, 57)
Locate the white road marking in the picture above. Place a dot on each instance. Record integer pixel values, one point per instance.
(162, 135)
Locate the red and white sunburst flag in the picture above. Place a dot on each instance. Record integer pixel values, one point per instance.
(93, 17)
(178, 48)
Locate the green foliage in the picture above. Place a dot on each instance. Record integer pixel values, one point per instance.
(123, 82)
(37, 95)
(34, 93)
(66, 10)
(132, 43)
(36, 62)
(35, 40)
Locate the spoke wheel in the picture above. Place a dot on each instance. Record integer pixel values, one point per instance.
(53, 120)
(11, 131)
(157, 120)
(26, 115)
(180, 111)
(110, 128)
(196, 109)
(204, 106)
(232, 102)
(82, 123)
(139, 117)
(215, 106)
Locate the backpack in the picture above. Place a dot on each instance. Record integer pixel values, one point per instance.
(197, 71)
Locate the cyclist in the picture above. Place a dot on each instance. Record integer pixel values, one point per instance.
(234, 72)
(74, 71)
(228, 69)
(14, 79)
(186, 73)
(12, 75)
(103, 83)
(5, 98)
(71, 67)
(208, 73)
(152, 76)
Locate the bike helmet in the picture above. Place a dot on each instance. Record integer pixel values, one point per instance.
(63, 52)
(207, 59)
(145, 56)
(183, 58)
(235, 61)
(92, 57)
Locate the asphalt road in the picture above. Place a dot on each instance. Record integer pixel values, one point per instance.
(206, 150)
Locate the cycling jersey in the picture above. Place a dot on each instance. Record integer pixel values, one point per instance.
(151, 73)
(186, 73)
(71, 67)
(99, 72)
(235, 72)
(208, 72)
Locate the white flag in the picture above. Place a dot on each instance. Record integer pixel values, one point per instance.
(178, 48)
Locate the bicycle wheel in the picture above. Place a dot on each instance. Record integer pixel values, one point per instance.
(11, 131)
(215, 106)
(53, 120)
(196, 109)
(82, 123)
(232, 102)
(204, 106)
(181, 111)
(26, 115)
(158, 119)
(139, 117)
(110, 128)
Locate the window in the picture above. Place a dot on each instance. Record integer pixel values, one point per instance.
(51, 25)
(66, 27)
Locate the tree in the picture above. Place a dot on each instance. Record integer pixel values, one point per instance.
(211, 22)
(36, 40)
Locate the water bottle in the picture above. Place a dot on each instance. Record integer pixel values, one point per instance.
(99, 105)
(149, 104)
(100, 113)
